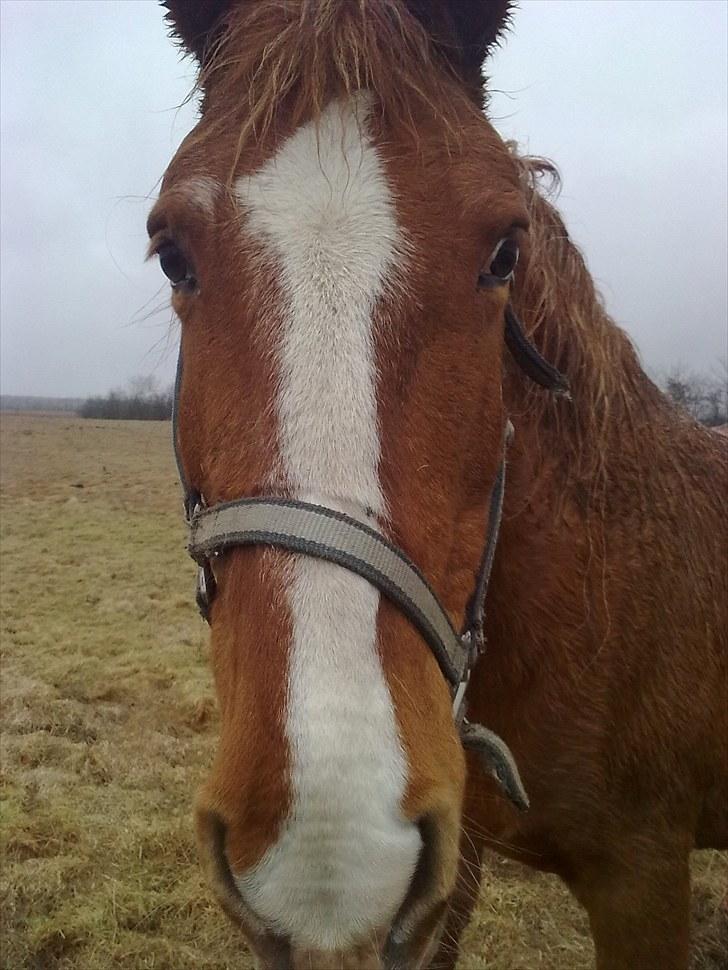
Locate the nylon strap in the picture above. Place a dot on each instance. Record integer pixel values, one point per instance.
(475, 615)
(314, 530)
(531, 361)
(191, 495)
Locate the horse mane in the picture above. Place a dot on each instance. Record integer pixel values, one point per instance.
(613, 400)
(305, 55)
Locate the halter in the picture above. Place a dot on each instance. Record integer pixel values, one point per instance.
(324, 533)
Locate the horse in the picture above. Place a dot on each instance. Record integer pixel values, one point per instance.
(347, 238)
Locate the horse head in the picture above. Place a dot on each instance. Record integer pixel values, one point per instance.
(341, 231)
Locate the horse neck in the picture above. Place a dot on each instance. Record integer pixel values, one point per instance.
(575, 466)
(614, 407)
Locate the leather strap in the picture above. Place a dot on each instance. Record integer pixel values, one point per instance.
(191, 497)
(533, 364)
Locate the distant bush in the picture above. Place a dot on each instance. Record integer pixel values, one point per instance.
(142, 402)
(704, 396)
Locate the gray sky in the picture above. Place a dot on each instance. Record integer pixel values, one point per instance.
(628, 98)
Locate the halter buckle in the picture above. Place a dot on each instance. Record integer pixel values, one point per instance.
(205, 590)
(193, 504)
(473, 640)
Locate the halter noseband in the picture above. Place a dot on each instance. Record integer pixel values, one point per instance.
(323, 533)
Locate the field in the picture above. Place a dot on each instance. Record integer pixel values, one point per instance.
(109, 724)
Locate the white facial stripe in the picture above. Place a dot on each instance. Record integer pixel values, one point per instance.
(346, 856)
(324, 208)
(341, 868)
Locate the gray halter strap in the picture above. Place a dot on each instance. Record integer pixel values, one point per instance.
(314, 530)
(321, 532)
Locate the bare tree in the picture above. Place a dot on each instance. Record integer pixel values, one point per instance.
(704, 396)
(142, 402)
(143, 386)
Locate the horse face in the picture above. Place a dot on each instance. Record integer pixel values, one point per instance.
(338, 350)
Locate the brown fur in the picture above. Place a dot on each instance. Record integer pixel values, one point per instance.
(606, 666)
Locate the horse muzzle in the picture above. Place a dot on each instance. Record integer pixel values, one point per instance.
(406, 944)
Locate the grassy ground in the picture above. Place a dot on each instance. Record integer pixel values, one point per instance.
(109, 724)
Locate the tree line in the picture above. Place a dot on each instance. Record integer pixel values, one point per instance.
(704, 396)
(141, 401)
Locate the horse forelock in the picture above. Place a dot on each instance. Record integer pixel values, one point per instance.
(307, 54)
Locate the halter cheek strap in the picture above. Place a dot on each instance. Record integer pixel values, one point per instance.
(533, 364)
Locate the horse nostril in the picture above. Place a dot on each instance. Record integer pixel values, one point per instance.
(272, 950)
(211, 833)
(415, 928)
(211, 838)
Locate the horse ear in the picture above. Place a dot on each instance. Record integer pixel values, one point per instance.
(196, 24)
(464, 31)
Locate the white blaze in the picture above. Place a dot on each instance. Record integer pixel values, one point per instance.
(322, 207)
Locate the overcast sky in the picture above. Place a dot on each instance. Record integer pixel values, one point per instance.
(628, 98)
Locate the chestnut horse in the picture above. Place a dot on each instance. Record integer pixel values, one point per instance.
(325, 227)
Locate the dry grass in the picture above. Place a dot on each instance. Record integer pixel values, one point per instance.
(109, 725)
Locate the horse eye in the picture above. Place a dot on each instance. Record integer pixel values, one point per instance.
(174, 265)
(505, 259)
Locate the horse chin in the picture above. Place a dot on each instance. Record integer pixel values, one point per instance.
(416, 954)
(369, 956)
